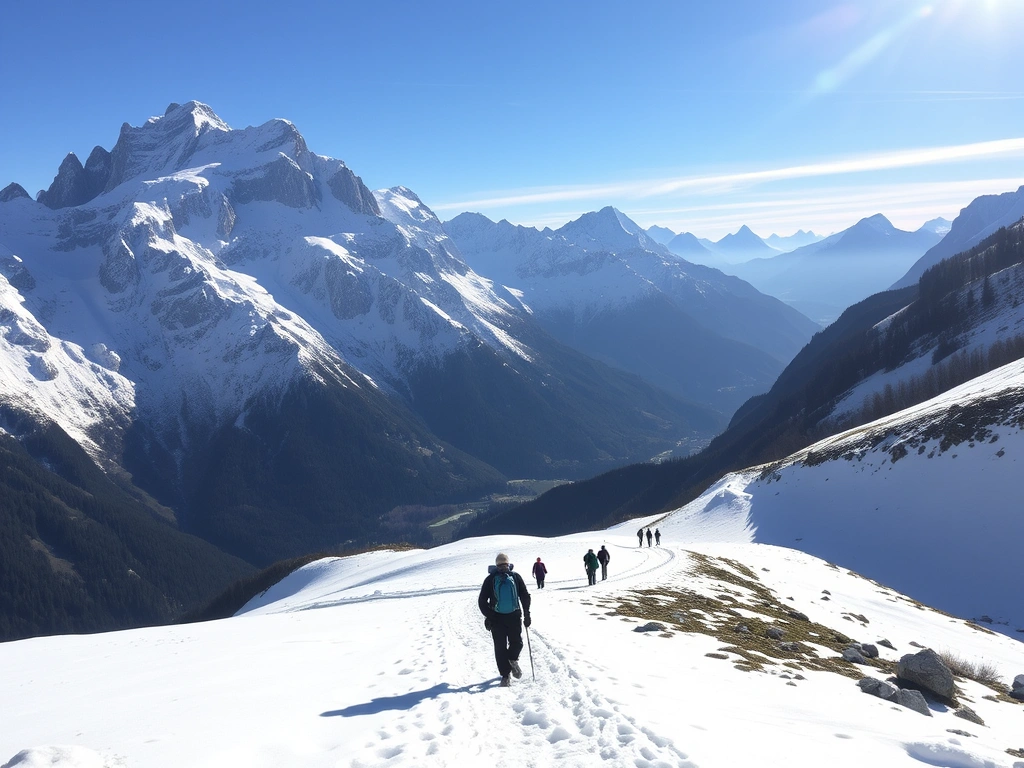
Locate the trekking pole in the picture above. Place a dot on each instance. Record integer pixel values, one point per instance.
(530, 649)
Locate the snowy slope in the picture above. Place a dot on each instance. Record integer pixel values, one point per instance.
(382, 660)
(923, 501)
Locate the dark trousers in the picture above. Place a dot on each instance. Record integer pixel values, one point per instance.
(540, 582)
(507, 633)
(604, 571)
(591, 576)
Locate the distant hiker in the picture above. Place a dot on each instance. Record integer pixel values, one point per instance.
(500, 596)
(590, 562)
(657, 537)
(640, 536)
(648, 537)
(539, 572)
(603, 557)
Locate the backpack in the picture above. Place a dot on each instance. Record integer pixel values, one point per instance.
(506, 594)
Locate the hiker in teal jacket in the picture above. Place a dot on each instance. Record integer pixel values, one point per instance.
(591, 563)
(500, 596)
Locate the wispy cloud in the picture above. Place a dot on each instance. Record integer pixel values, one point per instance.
(719, 183)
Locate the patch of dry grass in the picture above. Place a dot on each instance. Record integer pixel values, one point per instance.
(717, 616)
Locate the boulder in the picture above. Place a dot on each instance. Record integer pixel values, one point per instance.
(878, 688)
(774, 633)
(853, 655)
(869, 650)
(651, 626)
(1018, 682)
(914, 700)
(969, 714)
(926, 670)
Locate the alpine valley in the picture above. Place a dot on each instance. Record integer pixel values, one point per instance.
(218, 346)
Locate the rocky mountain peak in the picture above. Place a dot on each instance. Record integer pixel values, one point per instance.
(12, 192)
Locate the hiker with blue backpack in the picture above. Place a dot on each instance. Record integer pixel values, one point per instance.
(500, 597)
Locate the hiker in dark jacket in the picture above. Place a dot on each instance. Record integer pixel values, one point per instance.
(649, 537)
(539, 572)
(603, 557)
(590, 562)
(657, 537)
(640, 536)
(500, 597)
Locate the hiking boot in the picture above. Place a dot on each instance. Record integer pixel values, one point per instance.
(516, 671)
(505, 682)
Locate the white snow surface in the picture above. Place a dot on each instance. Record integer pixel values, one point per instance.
(382, 659)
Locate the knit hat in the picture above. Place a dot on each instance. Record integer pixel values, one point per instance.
(501, 558)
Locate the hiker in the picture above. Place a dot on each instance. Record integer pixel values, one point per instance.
(640, 537)
(603, 557)
(649, 537)
(590, 562)
(657, 537)
(500, 595)
(539, 572)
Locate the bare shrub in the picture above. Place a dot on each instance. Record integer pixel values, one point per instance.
(983, 672)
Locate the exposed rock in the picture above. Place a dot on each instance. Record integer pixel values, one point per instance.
(17, 274)
(792, 647)
(926, 670)
(969, 714)
(743, 629)
(774, 633)
(651, 626)
(959, 732)
(914, 700)
(878, 688)
(887, 644)
(798, 616)
(1018, 682)
(869, 650)
(12, 192)
(349, 188)
(282, 181)
(853, 655)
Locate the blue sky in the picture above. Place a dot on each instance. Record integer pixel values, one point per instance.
(695, 116)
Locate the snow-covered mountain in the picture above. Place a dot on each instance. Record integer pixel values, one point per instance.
(202, 299)
(601, 285)
(983, 216)
(383, 659)
(824, 278)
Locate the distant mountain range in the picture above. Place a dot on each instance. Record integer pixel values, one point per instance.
(742, 245)
(601, 285)
(826, 277)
